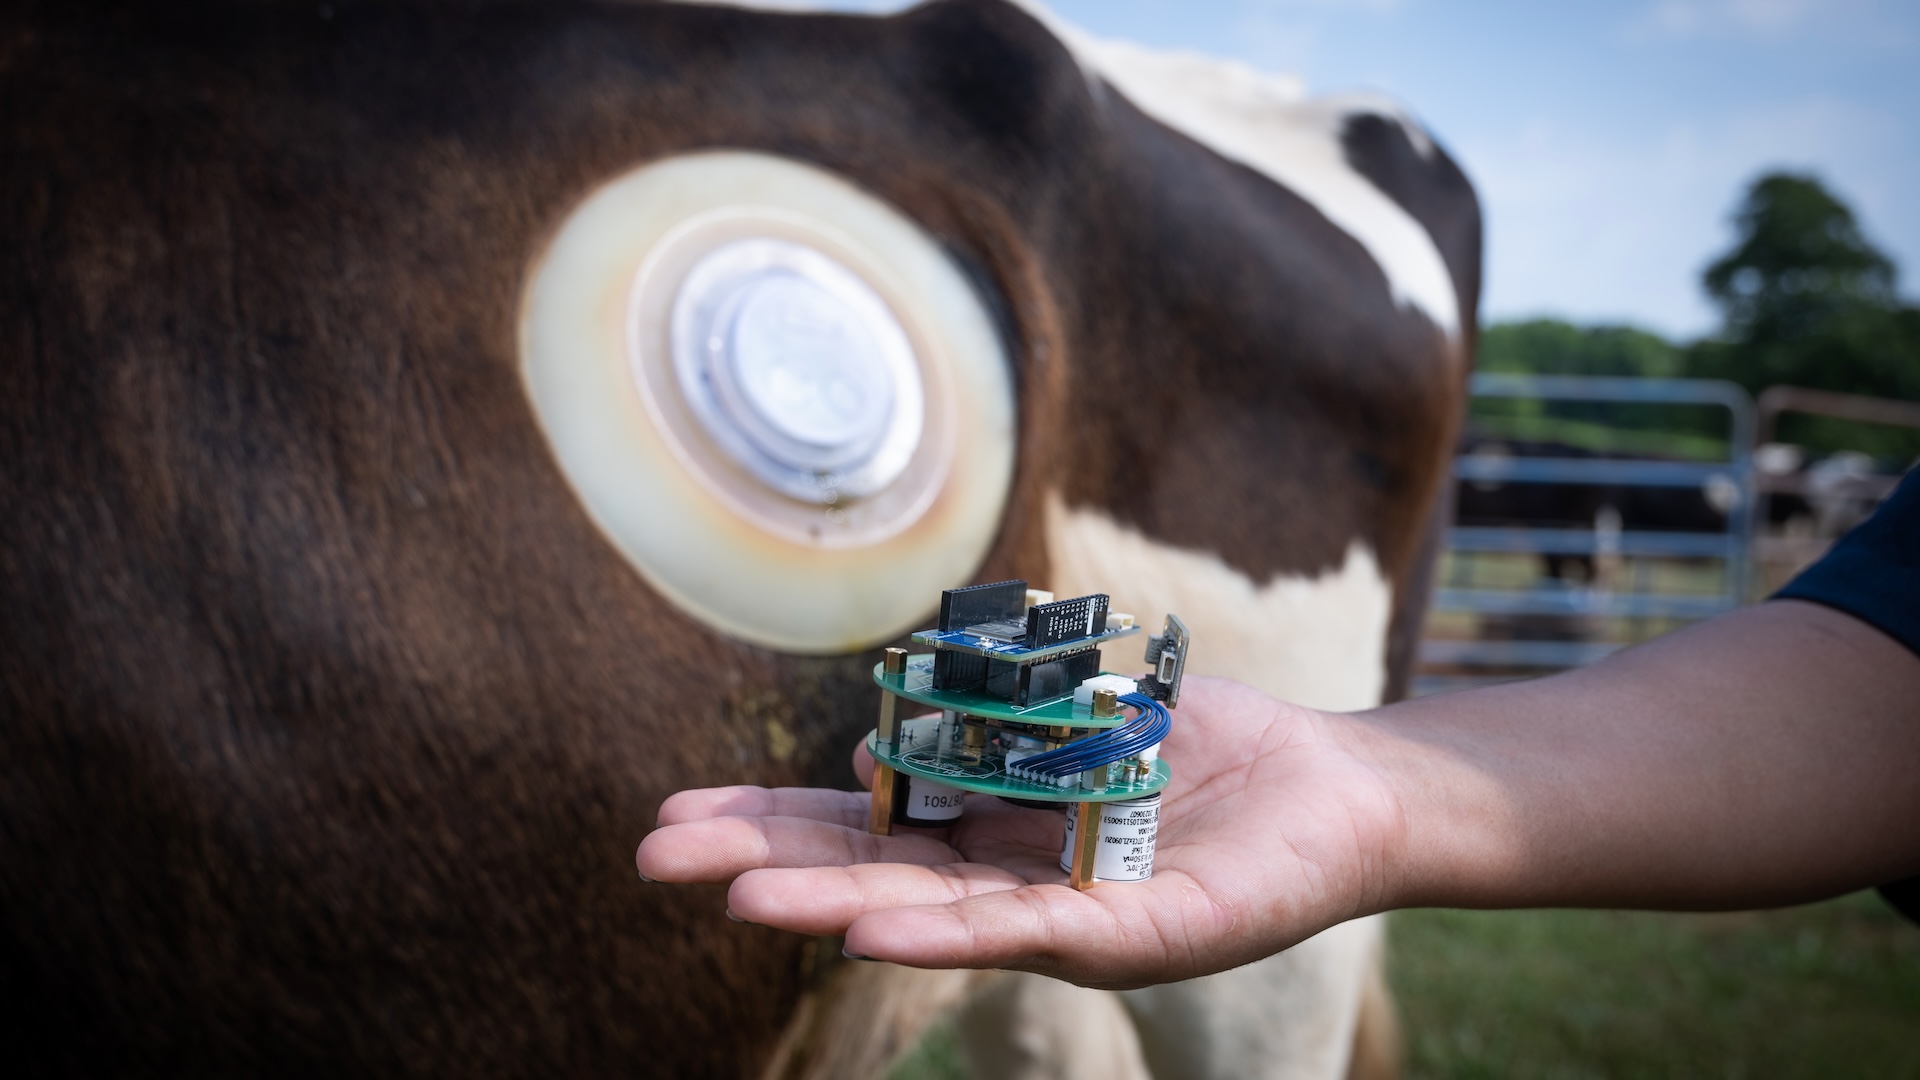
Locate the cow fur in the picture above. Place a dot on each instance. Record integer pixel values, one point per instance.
(328, 722)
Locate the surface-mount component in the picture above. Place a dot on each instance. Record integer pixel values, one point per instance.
(1026, 714)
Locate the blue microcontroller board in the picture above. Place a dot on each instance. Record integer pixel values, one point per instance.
(968, 640)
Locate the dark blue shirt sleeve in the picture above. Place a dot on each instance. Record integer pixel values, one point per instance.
(1873, 574)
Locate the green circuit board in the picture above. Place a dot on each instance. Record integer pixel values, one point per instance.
(988, 777)
(916, 684)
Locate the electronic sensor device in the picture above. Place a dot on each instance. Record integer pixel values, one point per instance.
(1026, 714)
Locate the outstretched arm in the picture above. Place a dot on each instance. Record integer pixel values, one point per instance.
(1764, 757)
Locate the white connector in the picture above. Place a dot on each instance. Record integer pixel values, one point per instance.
(1119, 684)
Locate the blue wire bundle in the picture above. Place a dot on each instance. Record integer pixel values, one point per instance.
(1117, 744)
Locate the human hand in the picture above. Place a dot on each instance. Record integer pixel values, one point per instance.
(1271, 831)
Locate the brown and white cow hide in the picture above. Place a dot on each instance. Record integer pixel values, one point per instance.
(329, 717)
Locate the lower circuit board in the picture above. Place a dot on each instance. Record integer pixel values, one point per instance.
(933, 750)
(988, 776)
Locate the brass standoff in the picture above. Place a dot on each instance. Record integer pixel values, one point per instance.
(1105, 702)
(1086, 843)
(973, 742)
(880, 810)
(1095, 779)
(887, 732)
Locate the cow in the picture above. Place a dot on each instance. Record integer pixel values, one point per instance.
(1608, 507)
(342, 671)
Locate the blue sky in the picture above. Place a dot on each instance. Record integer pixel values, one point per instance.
(1609, 141)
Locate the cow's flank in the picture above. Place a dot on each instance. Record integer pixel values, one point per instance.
(330, 717)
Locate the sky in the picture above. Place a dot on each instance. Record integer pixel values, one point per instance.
(1609, 141)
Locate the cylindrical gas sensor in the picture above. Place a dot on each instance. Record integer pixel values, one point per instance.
(919, 801)
(1128, 830)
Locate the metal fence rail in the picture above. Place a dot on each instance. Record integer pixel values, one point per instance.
(1554, 541)
(1474, 661)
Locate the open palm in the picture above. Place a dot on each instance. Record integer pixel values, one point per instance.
(1270, 832)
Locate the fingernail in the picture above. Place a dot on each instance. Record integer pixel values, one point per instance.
(739, 920)
(647, 879)
(851, 955)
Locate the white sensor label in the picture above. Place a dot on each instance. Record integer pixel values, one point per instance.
(1128, 831)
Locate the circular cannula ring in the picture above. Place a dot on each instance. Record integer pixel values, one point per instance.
(756, 377)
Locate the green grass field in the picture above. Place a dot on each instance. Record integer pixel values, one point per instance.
(1826, 990)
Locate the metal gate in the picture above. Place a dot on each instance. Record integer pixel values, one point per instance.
(1549, 622)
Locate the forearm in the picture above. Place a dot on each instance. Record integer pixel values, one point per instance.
(1766, 757)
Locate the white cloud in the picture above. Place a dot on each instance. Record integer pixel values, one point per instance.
(1280, 44)
(1325, 5)
(1694, 18)
(1767, 20)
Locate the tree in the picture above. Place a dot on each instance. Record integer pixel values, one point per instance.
(1806, 299)
(1800, 260)
(1555, 347)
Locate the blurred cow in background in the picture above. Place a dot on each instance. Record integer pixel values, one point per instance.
(435, 432)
